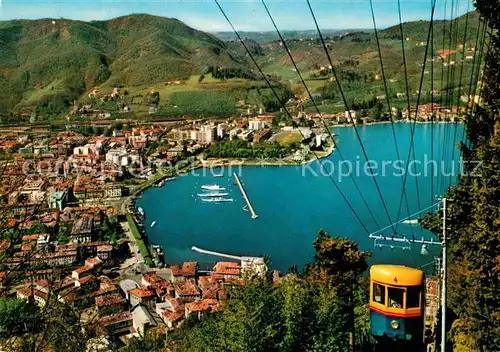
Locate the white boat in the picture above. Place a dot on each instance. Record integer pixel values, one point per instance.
(153, 223)
(411, 222)
(161, 183)
(216, 200)
(212, 194)
(213, 187)
(169, 179)
(141, 211)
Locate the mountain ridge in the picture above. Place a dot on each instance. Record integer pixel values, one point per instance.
(128, 50)
(51, 63)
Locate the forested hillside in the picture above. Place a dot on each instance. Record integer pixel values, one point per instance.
(46, 65)
(474, 213)
(53, 62)
(356, 58)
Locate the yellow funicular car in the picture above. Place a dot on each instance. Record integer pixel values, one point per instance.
(396, 303)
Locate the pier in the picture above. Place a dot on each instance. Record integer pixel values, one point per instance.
(250, 208)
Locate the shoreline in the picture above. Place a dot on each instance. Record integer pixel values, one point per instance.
(218, 162)
(228, 162)
(344, 125)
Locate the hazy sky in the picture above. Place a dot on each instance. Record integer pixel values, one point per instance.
(246, 15)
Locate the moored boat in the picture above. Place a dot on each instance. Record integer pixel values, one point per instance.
(217, 200)
(213, 187)
(212, 194)
(141, 211)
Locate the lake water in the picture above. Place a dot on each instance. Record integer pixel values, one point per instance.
(293, 202)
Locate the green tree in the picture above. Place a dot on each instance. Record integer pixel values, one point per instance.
(340, 258)
(303, 312)
(151, 342)
(17, 316)
(474, 234)
(377, 111)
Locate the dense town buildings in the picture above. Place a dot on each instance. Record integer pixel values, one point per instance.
(67, 193)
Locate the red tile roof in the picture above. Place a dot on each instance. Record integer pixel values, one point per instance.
(152, 278)
(30, 237)
(176, 303)
(176, 270)
(173, 316)
(86, 279)
(28, 292)
(108, 300)
(186, 288)
(4, 244)
(141, 292)
(42, 283)
(92, 262)
(26, 247)
(82, 269)
(203, 305)
(105, 248)
(115, 318)
(214, 291)
(189, 268)
(227, 268)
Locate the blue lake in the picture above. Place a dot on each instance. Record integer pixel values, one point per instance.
(293, 202)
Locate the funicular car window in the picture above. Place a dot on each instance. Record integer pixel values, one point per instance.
(379, 293)
(413, 297)
(395, 297)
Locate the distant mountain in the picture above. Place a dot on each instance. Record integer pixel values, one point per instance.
(47, 64)
(417, 30)
(64, 58)
(268, 36)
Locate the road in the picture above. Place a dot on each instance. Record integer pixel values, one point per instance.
(136, 263)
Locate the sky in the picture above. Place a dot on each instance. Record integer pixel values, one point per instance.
(246, 15)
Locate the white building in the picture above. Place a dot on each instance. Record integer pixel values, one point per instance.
(233, 133)
(208, 134)
(221, 130)
(142, 319)
(42, 241)
(256, 125)
(193, 135)
(350, 114)
(88, 149)
(245, 135)
(318, 140)
(122, 157)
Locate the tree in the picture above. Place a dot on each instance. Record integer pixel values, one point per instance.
(474, 234)
(341, 263)
(63, 234)
(152, 99)
(340, 258)
(117, 126)
(377, 111)
(305, 311)
(106, 132)
(97, 130)
(17, 316)
(151, 342)
(399, 115)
